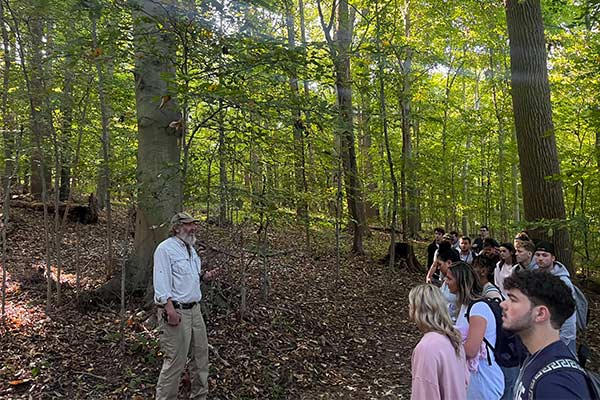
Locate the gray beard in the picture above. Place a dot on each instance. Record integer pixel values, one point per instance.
(189, 239)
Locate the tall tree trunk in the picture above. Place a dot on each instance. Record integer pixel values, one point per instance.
(465, 171)
(447, 185)
(299, 154)
(514, 177)
(8, 133)
(95, 15)
(223, 181)
(346, 129)
(416, 151)
(598, 149)
(73, 185)
(366, 141)
(538, 156)
(6, 218)
(309, 170)
(338, 208)
(408, 179)
(41, 117)
(501, 171)
(340, 52)
(57, 226)
(66, 125)
(186, 144)
(35, 94)
(158, 172)
(388, 150)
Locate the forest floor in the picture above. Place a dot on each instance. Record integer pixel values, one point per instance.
(318, 334)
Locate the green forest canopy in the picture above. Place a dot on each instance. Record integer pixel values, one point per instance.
(260, 129)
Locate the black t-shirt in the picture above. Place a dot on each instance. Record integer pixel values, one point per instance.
(562, 383)
(430, 252)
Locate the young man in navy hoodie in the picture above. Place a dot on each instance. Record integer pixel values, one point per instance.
(538, 304)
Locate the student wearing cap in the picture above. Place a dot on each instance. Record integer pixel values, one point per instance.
(545, 259)
(176, 277)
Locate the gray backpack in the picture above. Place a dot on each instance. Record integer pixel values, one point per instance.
(582, 310)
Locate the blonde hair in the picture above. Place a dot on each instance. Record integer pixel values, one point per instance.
(428, 309)
(522, 240)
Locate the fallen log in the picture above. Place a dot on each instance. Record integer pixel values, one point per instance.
(82, 213)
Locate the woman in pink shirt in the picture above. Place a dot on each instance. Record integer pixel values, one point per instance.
(439, 369)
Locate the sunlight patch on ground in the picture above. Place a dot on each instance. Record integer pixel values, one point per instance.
(11, 287)
(19, 313)
(19, 316)
(71, 279)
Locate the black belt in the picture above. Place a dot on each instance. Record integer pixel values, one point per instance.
(183, 306)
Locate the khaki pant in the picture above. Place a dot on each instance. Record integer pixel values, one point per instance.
(176, 342)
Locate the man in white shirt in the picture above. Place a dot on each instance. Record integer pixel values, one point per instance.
(177, 276)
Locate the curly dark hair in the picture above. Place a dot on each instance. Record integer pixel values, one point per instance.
(445, 252)
(487, 263)
(543, 288)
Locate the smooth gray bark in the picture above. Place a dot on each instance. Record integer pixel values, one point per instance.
(158, 171)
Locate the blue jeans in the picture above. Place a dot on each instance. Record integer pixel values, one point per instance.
(510, 378)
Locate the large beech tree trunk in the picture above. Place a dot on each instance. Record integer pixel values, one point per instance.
(538, 157)
(158, 172)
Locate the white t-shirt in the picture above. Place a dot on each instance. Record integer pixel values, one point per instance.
(488, 381)
(500, 274)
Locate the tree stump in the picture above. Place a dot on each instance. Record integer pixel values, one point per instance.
(404, 254)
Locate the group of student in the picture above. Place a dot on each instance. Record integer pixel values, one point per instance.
(535, 300)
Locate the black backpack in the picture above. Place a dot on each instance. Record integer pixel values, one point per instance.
(509, 350)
